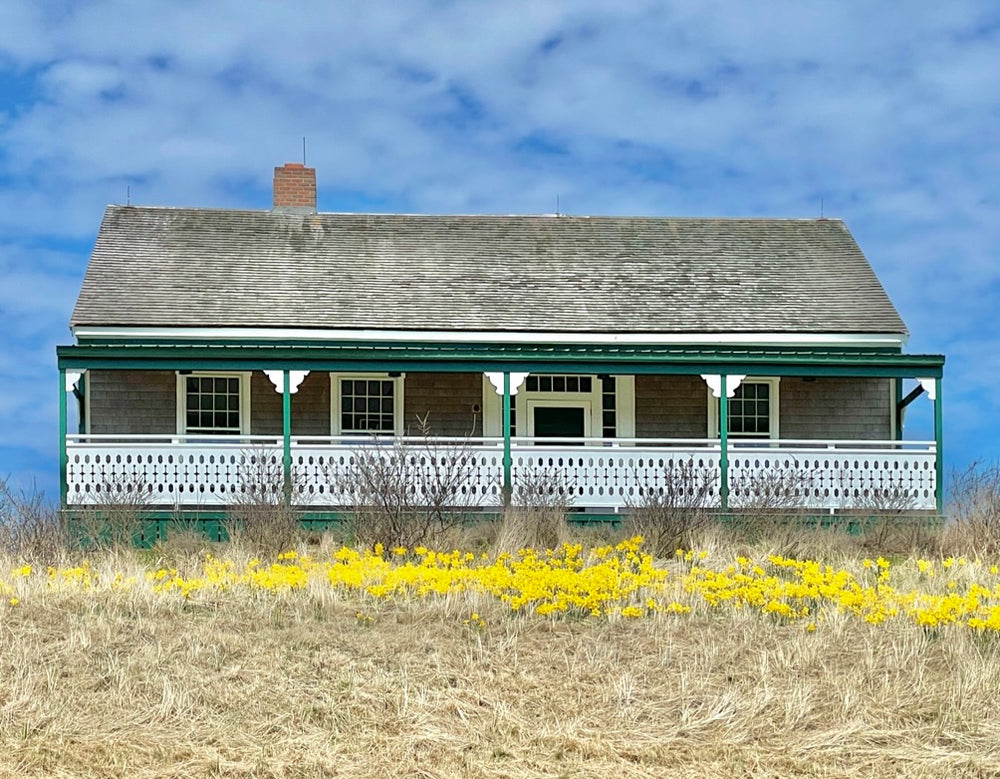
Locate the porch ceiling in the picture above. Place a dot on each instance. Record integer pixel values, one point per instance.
(616, 359)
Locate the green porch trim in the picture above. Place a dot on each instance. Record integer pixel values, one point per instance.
(155, 526)
(286, 435)
(513, 358)
(63, 459)
(939, 446)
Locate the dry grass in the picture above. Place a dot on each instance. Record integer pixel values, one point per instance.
(315, 683)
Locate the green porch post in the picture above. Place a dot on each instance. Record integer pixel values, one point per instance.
(898, 385)
(507, 459)
(939, 448)
(724, 443)
(63, 460)
(286, 433)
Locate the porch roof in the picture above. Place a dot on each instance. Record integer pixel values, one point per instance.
(771, 361)
(206, 268)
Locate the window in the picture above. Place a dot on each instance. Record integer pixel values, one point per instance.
(750, 410)
(609, 422)
(367, 404)
(213, 404)
(753, 410)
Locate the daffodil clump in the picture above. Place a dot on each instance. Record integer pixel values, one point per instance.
(609, 581)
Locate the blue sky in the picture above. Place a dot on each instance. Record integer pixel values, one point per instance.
(886, 113)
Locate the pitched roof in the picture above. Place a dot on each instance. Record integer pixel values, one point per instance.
(175, 267)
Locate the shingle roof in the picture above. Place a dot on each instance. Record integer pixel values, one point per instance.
(176, 267)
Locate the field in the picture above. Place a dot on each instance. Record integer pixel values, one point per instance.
(723, 660)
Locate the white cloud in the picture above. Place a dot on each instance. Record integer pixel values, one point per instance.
(886, 113)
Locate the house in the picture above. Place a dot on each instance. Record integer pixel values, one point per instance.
(612, 354)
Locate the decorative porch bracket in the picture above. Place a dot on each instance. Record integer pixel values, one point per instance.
(295, 378)
(717, 384)
(286, 382)
(502, 380)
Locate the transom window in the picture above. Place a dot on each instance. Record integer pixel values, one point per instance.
(544, 383)
(212, 404)
(367, 406)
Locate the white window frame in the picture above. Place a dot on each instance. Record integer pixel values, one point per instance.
(773, 410)
(335, 401)
(243, 376)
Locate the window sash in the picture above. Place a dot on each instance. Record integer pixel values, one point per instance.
(214, 404)
(367, 405)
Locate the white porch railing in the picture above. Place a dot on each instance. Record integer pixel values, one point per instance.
(594, 473)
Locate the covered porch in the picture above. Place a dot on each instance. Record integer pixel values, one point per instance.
(598, 454)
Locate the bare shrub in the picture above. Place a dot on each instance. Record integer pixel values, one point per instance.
(770, 505)
(536, 516)
(30, 527)
(261, 515)
(975, 510)
(116, 519)
(889, 523)
(669, 516)
(406, 493)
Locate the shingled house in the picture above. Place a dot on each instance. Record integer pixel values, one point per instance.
(605, 351)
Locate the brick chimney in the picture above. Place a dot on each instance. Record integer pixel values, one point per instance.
(295, 189)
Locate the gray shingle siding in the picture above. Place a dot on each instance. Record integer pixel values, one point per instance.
(204, 268)
(132, 402)
(144, 402)
(446, 400)
(671, 407)
(836, 408)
